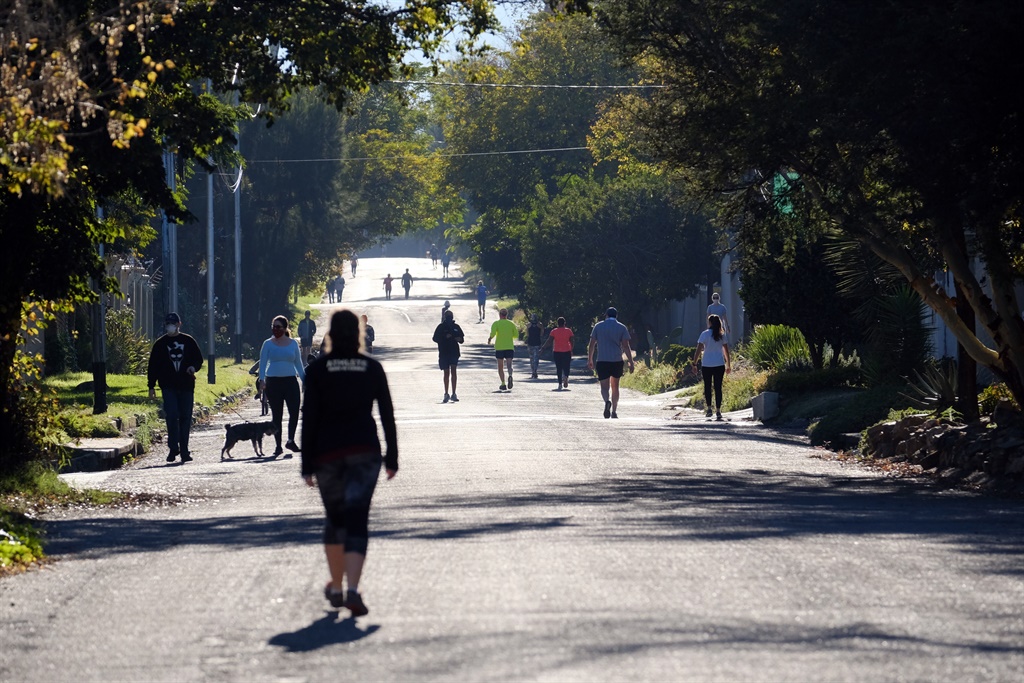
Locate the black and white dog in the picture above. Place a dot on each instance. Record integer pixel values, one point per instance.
(246, 431)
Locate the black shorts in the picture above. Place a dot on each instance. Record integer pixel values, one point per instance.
(504, 353)
(445, 362)
(609, 368)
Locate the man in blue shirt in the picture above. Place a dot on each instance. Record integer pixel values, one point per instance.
(610, 339)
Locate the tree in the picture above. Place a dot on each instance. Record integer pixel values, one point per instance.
(93, 91)
(895, 118)
(624, 241)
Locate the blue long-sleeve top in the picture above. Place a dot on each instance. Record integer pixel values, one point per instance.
(281, 361)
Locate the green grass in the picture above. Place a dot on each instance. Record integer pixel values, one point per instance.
(652, 380)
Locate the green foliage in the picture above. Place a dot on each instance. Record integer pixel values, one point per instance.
(812, 380)
(655, 379)
(655, 354)
(679, 356)
(860, 412)
(899, 342)
(20, 542)
(127, 348)
(991, 395)
(30, 430)
(777, 346)
(757, 90)
(934, 387)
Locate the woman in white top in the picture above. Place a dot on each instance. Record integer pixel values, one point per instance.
(280, 372)
(713, 347)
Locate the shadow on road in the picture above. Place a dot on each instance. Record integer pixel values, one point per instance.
(322, 633)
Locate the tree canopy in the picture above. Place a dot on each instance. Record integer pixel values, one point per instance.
(895, 117)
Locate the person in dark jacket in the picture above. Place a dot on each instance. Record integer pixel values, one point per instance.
(173, 363)
(448, 335)
(341, 453)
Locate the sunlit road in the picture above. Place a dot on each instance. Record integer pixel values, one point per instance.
(527, 538)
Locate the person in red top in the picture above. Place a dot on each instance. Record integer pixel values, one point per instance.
(561, 339)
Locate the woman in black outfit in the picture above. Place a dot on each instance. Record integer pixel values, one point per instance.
(341, 453)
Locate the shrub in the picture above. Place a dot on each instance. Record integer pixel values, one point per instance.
(678, 355)
(811, 380)
(654, 379)
(991, 395)
(859, 413)
(772, 347)
(127, 349)
(29, 429)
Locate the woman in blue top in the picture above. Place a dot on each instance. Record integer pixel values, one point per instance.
(713, 347)
(280, 372)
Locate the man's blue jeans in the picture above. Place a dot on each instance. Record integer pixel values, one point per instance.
(178, 412)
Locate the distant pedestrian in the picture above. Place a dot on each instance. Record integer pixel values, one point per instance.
(339, 288)
(433, 255)
(353, 263)
(716, 307)
(611, 340)
(173, 362)
(448, 335)
(330, 290)
(406, 282)
(713, 350)
(504, 333)
(560, 340)
(534, 339)
(481, 299)
(368, 334)
(387, 286)
(280, 371)
(446, 260)
(341, 454)
(444, 309)
(307, 330)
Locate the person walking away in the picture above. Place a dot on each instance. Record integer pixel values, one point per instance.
(280, 372)
(406, 282)
(611, 340)
(330, 290)
(307, 330)
(560, 340)
(504, 333)
(173, 362)
(387, 286)
(444, 309)
(713, 355)
(534, 337)
(446, 260)
(716, 307)
(433, 256)
(353, 262)
(368, 335)
(481, 299)
(341, 454)
(339, 288)
(448, 335)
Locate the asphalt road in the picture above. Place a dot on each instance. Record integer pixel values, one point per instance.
(527, 538)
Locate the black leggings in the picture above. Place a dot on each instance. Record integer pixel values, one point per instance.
(562, 360)
(281, 390)
(716, 374)
(346, 488)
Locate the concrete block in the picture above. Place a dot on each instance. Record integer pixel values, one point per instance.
(765, 405)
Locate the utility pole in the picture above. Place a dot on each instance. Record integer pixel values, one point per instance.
(99, 345)
(211, 342)
(238, 239)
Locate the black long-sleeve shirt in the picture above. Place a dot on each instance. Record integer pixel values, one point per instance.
(337, 415)
(448, 336)
(170, 357)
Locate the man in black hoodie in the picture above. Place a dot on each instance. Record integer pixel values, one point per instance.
(448, 335)
(173, 363)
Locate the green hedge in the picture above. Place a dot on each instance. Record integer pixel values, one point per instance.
(862, 411)
(811, 380)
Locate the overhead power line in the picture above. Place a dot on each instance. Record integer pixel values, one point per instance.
(535, 86)
(418, 156)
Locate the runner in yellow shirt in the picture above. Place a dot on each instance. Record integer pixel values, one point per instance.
(504, 333)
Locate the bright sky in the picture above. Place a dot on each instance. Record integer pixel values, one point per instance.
(508, 16)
